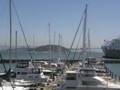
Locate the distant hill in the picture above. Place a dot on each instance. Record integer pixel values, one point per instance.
(54, 48)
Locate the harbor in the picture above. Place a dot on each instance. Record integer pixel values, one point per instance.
(57, 61)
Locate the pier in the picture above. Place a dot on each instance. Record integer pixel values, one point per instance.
(111, 60)
(19, 60)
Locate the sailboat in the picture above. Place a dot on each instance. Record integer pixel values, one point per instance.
(6, 83)
(85, 78)
(8, 73)
(28, 74)
(28, 77)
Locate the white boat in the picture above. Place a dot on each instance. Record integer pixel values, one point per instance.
(28, 72)
(85, 79)
(10, 88)
(19, 86)
(27, 75)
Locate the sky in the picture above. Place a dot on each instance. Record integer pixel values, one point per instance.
(103, 20)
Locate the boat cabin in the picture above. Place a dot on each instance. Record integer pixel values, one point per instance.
(27, 71)
(72, 78)
(71, 75)
(87, 72)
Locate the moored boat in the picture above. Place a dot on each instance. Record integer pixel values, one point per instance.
(111, 48)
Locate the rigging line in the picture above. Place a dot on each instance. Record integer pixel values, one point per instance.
(22, 31)
(77, 45)
(79, 55)
(81, 50)
(75, 36)
(3, 62)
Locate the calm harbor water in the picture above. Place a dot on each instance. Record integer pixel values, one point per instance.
(46, 55)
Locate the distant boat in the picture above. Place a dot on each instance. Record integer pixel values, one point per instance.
(111, 48)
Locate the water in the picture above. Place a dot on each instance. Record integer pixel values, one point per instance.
(7, 67)
(115, 68)
(46, 55)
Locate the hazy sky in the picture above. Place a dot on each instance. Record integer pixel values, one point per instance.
(64, 16)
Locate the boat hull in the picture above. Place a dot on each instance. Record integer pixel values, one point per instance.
(111, 53)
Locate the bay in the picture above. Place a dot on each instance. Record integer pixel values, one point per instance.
(46, 55)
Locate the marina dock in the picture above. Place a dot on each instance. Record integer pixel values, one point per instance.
(19, 60)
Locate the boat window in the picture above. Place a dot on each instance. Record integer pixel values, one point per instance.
(71, 76)
(36, 71)
(87, 73)
(18, 72)
(23, 73)
(89, 83)
(71, 87)
(47, 72)
(22, 65)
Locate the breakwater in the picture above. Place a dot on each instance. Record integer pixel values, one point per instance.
(111, 60)
(107, 61)
(19, 60)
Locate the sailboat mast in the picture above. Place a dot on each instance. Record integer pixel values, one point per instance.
(49, 42)
(54, 41)
(10, 16)
(34, 46)
(16, 47)
(84, 38)
(59, 44)
(89, 48)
